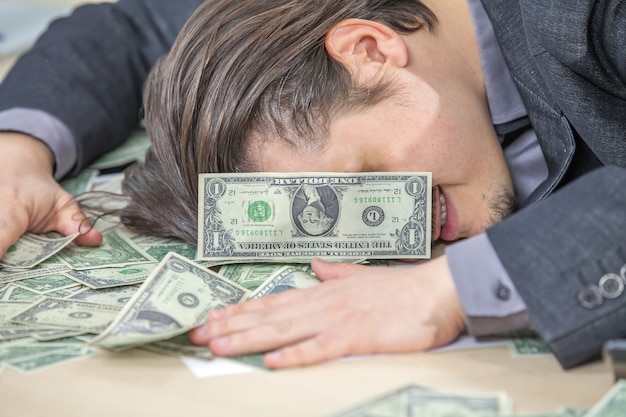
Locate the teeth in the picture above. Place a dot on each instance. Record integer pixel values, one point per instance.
(444, 209)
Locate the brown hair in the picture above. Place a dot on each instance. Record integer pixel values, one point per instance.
(240, 68)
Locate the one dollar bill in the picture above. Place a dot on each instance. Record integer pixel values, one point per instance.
(175, 298)
(30, 250)
(613, 404)
(286, 278)
(296, 217)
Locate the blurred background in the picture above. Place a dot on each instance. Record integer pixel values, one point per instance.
(22, 21)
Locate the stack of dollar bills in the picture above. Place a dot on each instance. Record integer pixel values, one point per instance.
(59, 301)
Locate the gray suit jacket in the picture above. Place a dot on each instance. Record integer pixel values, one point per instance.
(568, 59)
(95, 63)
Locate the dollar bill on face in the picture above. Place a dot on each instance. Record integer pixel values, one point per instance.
(271, 217)
(30, 250)
(174, 299)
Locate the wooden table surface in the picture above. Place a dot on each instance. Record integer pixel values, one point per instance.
(138, 382)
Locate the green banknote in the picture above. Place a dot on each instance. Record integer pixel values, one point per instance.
(49, 335)
(613, 404)
(48, 359)
(47, 283)
(58, 313)
(158, 247)
(284, 279)
(528, 347)
(8, 330)
(81, 183)
(251, 276)
(289, 218)
(30, 250)
(179, 345)
(118, 296)
(116, 250)
(411, 400)
(112, 277)
(174, 299)
(133, 149)
(527, 342)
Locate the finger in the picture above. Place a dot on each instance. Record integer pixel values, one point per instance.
(240, 317)
(262, 338)
(13, 223)
(327, 271)
(216, 328)
(267, 303)
(70, 219)
(310, 351)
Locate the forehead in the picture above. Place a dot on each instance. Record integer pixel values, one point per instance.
(350, 140)
(271, 153)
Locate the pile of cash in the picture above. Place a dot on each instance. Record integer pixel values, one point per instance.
(60, 301)
(65, 301)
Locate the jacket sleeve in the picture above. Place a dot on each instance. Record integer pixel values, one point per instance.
(565, 255)
(88, 70)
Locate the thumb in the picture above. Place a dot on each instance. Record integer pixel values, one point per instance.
(327, 271)
(70, 219)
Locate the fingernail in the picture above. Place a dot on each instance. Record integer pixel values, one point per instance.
(220, 342)
(201, 331)
(273, 357)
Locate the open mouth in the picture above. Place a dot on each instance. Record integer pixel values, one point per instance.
(440, 212)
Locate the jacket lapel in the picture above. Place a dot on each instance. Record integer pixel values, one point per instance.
(553, 130)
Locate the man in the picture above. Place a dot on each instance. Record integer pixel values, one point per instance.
(423, 94)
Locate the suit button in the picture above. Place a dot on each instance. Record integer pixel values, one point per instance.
(503, 292)
(611, 285)
(622, 273)
(590, 297)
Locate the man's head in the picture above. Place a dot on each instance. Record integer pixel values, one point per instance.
(312, 85)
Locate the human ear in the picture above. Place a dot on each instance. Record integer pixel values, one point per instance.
(366, 47)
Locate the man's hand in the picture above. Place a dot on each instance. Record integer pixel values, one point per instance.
(32, 201)
(356, 310)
